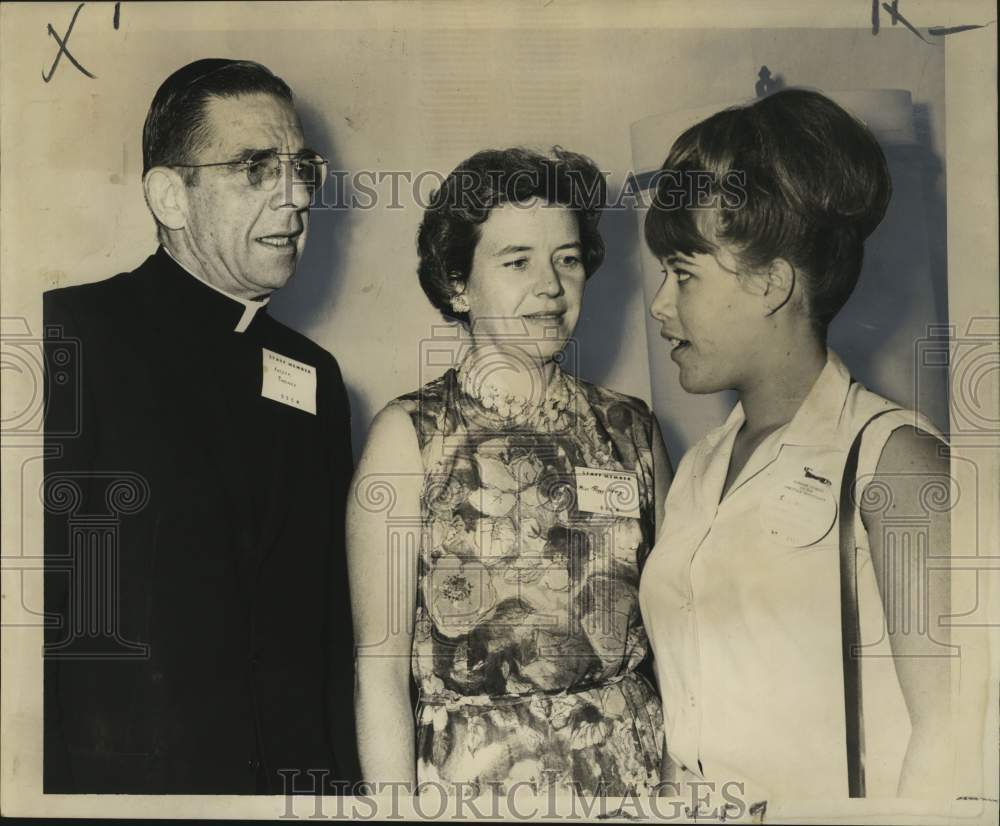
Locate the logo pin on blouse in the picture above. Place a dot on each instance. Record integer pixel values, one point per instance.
(810, 475)
(800, 509)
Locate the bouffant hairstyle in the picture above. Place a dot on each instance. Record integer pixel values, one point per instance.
(449, 231)
(811, 184)
(175, 125)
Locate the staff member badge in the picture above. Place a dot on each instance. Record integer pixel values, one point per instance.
(800, 510)
(610, 492)
(288, 381)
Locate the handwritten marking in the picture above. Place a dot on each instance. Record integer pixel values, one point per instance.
(898, 18)
(63, 50)
(893, 10)
(934, 31)
(944, 31)
(118, 13)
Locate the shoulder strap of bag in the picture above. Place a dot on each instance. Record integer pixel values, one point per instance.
(850, 626)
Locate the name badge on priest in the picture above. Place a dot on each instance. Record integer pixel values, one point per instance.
(611, 492)
(800, 509)
(289, 381)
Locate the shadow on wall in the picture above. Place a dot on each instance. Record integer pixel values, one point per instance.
(935, 203)
(607, 304)
(311, 299)
(885, 328)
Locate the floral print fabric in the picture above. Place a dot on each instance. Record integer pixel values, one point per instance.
(527, 628)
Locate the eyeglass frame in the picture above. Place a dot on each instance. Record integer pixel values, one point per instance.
(321, 162)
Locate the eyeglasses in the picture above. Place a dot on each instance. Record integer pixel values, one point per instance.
(263, 168)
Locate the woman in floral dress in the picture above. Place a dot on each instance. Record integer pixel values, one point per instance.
(501, 514)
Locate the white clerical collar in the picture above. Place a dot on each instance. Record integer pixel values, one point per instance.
(250, 307)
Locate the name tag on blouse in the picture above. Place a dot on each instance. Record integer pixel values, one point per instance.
(289, 381)
(800, 509)
(610, 492)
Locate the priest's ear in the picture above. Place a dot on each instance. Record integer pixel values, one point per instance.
(166, 196)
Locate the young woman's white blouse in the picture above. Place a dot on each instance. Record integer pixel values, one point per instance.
(741, 601)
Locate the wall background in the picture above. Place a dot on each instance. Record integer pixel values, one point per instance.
(389, 99)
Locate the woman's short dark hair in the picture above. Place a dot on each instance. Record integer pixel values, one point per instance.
(449, 232)
(791, 176)
(175, 125)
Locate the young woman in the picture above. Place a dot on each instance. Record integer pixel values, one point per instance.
(535, 497)
(742, 595)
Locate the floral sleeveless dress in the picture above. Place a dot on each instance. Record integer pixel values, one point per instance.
(527, 628)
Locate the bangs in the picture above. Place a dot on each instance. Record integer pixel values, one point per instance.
(670, 231)
(691, 186)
